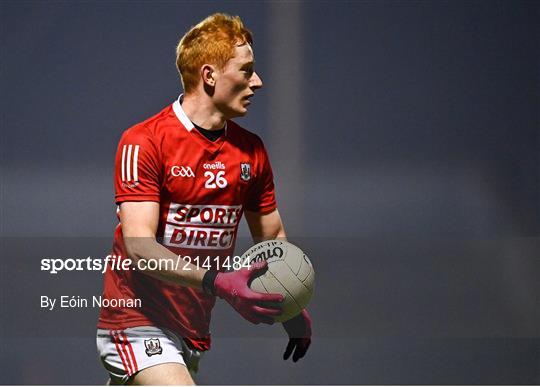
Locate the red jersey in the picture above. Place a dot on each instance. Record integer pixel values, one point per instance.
(202, 187)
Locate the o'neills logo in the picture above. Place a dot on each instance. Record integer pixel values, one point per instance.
(265, 255)
(214, 165)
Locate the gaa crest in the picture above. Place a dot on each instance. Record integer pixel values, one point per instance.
(245, 171)
(153, 347)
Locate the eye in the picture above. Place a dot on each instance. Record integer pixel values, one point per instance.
(248, 69)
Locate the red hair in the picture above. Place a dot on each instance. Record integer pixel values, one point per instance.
(211, 41)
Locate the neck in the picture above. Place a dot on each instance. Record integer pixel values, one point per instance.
(202, 112)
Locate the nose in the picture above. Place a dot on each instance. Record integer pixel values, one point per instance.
(255, 81)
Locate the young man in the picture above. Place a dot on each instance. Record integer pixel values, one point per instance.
(184, 178)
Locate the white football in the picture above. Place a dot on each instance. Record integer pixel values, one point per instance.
(289, 273)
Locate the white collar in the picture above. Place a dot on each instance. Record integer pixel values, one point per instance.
(181, 115)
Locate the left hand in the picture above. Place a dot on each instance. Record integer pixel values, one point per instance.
(299, 330)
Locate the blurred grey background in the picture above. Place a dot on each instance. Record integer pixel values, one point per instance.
(404, 138)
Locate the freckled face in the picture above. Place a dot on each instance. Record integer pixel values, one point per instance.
(236, 83)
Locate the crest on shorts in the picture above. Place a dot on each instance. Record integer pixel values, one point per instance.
(245, 171)
(153, 347)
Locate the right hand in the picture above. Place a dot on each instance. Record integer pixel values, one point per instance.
(233, 288)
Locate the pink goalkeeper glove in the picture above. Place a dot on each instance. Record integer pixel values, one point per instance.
(299, 330)
(234, 288)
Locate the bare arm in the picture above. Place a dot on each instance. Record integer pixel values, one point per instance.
(265, 226)
(139, 226)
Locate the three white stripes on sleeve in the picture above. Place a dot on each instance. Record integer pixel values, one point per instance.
(130, 158)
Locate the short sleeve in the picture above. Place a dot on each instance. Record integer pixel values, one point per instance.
(262, 196)
(137, 167)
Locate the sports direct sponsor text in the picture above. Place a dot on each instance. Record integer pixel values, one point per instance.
(210, 227)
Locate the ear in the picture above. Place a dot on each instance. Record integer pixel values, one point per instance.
(208, 75)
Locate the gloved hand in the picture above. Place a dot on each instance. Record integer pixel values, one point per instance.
(299, 330)
(233, 287)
